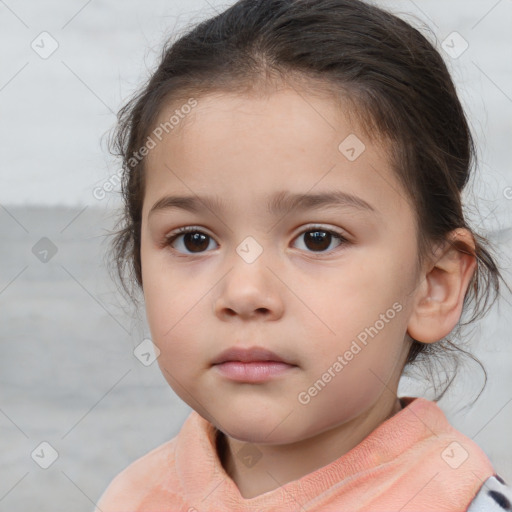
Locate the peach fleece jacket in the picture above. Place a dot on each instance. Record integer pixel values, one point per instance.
(414, 461)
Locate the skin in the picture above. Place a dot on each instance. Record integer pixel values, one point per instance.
(305, 304)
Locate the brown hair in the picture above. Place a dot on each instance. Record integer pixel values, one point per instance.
(398, 87)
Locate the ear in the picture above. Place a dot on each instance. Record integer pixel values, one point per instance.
(439, 298)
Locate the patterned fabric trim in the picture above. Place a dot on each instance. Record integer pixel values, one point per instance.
(494, 496)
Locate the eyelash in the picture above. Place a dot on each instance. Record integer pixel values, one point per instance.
(169, 239)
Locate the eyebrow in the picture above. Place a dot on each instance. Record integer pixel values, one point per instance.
(281, 202)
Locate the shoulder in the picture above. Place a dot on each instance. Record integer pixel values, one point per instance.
(495, 495)
(147, 481)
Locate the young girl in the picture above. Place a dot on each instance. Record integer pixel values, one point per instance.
(293, 217)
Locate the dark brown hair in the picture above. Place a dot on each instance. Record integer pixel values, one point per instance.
(393, 78)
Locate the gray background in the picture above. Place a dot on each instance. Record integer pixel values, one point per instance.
(68, 375)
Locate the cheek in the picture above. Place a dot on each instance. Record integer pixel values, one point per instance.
(170, 312)
(176, 308)
(162, 297)
(174, 327)
(358, 309)
(343, 301)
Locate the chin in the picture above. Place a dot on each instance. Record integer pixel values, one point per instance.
(255, 435)
(269, 432)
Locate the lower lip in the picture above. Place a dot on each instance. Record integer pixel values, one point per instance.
(254, 371)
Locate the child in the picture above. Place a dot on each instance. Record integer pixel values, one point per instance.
(272, 127)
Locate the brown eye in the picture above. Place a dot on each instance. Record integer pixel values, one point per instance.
(192, 240)
(318, 239)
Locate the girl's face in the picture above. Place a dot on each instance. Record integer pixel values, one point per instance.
(259, 273)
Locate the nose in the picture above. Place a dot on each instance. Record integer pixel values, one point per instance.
(249, 291)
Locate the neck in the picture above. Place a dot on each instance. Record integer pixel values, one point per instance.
(280, 464)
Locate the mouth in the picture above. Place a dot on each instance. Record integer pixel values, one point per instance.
(255, 364)
(248, 355)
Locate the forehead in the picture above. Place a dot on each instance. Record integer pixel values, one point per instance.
(242, 147)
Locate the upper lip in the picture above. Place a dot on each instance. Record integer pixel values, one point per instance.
(247, 355)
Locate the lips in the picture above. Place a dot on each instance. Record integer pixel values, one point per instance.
(255, 365)
(248, 355)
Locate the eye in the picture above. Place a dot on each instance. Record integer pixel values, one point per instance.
(318, 239)
(192, 239)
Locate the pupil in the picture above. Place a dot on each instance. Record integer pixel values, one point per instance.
(318, 238)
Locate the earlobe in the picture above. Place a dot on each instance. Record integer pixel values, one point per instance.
(440, 296)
